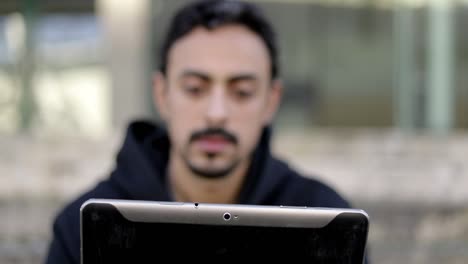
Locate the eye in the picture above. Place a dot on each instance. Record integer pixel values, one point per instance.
(193, 90)
(243, 89)
(243, 94)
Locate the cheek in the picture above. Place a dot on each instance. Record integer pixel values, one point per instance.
(249, 139)
(250, 115)
(249, 126)
(182, 111)
(181, 122)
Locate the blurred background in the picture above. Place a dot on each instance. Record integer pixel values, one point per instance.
(375, 104)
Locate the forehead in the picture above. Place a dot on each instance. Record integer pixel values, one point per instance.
(229, 49)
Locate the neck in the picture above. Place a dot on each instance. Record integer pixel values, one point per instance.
(189, 187)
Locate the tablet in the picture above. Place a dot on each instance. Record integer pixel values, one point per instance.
(129, 231)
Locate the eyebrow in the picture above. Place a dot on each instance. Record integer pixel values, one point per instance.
(206, 77)
(243, 77)
(192, 73)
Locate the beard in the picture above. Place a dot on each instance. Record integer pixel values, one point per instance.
(207, 171)
(211, 173)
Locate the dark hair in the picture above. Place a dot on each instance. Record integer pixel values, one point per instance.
(215, 13)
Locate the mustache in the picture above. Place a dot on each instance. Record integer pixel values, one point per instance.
(214, 132)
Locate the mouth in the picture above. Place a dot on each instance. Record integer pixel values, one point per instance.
(213, 144)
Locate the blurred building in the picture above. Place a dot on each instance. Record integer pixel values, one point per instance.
(86, 66)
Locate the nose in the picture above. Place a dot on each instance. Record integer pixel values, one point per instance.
(217, 112)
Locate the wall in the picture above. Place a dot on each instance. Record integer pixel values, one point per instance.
(412, 185)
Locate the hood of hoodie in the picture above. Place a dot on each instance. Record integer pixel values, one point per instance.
(141, 164)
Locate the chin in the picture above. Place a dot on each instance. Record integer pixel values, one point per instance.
(211, 172)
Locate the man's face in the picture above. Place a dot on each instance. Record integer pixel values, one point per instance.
(216, 98)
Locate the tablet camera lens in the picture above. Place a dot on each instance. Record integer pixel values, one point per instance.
(227, 216)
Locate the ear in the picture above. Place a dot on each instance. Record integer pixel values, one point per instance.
(273, 101)
(160, 94)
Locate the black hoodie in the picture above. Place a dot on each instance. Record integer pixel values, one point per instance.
(140, 175)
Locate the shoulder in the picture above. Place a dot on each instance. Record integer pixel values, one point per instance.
(69, 213)
(309, 190)
(66, 224)
(65, 244)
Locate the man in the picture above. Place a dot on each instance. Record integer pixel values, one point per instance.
(217, 91)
